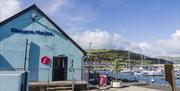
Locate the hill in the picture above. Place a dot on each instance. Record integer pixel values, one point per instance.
(173, 59)
(103, 55)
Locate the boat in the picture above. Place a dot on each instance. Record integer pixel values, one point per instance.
(177, 75)
(158, 72)
(154, 73)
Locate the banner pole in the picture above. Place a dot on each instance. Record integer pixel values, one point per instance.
(25, 55)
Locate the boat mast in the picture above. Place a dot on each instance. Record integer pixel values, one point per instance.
(144, 57)
(129, 60)
(142, 60)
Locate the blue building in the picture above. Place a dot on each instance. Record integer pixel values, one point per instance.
(30, 40)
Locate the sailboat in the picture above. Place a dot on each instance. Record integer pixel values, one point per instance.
(141, 70)
(155, 72)
(128, 68)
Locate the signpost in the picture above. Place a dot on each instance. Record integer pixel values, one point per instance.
(169, 75)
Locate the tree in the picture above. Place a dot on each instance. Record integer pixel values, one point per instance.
(116, 65)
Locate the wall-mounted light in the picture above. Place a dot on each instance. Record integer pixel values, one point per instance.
(33, 15)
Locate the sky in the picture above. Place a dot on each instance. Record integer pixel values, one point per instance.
(150, 27)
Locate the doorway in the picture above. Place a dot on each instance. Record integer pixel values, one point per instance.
(59, 68)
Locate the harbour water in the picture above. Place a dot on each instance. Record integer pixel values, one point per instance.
(160, 80)
(130, 76)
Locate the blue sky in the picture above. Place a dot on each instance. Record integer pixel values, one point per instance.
(139, 25)
(137, 20)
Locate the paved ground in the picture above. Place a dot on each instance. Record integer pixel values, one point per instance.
(131, 88)
(135, 86)
(163, 88)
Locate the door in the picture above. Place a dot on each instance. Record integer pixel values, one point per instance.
(59, 68)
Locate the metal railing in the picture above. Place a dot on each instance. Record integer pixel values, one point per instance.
(36, 73)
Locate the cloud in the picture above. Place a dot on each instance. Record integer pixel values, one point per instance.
(52, 6)
(75, 18)
(8, 8)
(102, 39)
(164, 47)
(109, 3)
(73, 23)
(79, 13)
(176, 36)
(171, 46)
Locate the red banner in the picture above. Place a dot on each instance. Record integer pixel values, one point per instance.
(102, 80)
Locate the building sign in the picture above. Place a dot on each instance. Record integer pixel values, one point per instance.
(44, 60)
(32, 32)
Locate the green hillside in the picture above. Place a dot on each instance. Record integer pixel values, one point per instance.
(103, 55)
(173, 59)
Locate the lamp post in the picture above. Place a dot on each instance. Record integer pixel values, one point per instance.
(129, 58)
(90, 43)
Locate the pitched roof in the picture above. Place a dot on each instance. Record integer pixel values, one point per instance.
(43, 14)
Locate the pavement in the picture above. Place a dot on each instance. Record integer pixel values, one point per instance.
(133, 86)
(130, 88)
